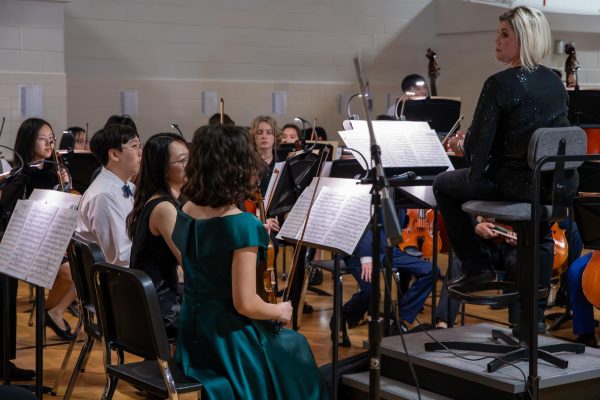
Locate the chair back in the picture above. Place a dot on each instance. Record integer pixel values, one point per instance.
(545, 142)
(559, 189)
(82, 255)
(129, 312)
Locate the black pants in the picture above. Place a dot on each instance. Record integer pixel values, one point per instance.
(452, 189)
(8, 334)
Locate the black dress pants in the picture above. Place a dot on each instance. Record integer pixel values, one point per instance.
(452, 189)
(8, 334)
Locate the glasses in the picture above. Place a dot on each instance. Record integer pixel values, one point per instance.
(183, 161)
(47, 140)
(135, 147)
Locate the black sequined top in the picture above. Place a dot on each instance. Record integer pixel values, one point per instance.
(512, 105)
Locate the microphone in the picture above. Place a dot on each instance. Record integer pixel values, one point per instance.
(304, 123)
(176, 126)
(351, 115)
(402, 99)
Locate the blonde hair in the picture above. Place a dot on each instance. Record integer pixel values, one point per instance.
(269, 120)
(533, 34)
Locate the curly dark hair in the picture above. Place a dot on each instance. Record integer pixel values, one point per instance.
(223, 167)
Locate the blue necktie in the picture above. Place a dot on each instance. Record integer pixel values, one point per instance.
(127, 191)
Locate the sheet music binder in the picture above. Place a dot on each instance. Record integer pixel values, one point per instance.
(81, 165)
(439, 113)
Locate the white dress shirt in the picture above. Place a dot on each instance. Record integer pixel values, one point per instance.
(103, 212)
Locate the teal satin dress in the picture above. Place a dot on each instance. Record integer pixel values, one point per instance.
(234, 357)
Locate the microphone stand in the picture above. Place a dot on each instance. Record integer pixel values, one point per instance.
(382, 207)
(176, 126)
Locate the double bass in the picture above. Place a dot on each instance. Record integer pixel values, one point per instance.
(433, 71)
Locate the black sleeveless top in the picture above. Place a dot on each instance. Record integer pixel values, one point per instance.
(151, 254)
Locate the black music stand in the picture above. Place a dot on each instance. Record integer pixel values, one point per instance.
(441, 114)
(296, 175)
(584, 106)
(81, 166)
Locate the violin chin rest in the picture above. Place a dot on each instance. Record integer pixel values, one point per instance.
(413, 251)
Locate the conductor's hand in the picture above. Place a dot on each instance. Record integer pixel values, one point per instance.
(285, 311)
(365, 272)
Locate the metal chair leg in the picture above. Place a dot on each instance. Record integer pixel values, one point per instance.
(67, 358)
(85, 351)
(109, 389)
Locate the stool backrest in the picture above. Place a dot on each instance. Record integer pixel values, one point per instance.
(545, 142)
(561, 189)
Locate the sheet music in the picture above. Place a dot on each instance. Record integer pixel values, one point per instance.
(36, 238)
(277, 168)
(338, 217)
(53, 248)
(11, 262)
(403, 144)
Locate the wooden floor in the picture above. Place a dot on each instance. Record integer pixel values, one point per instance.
(314, 326)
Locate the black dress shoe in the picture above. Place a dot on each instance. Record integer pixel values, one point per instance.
(19, 374)
(307, 309)
(61, 333)
(588, 339)
(485, 275)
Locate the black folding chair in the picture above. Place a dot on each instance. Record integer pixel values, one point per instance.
(131, 322)
(82, 254)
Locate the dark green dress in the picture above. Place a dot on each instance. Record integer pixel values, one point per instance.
(233, 356)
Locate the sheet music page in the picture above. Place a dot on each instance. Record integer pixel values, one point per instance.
(12, 261)
(295, 218)
(56, 198)
(338, 219)
(403, 143)
(338, 216)
(35, 241)
(50, 254)
(277, 168)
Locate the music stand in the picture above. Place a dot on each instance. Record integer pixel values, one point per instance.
(284, 149)
(295, 176)
(440, 113)
(81, 165)
(584, 106)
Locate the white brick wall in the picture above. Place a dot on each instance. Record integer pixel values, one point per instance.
(31, 53)
(172, 50)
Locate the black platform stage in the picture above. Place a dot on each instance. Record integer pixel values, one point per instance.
(442, 375)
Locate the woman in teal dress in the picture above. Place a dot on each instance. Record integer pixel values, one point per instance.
(228, 339)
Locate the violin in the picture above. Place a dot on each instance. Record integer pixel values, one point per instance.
(419, 232)
(561, 246)
(433, 71)
(265, 271)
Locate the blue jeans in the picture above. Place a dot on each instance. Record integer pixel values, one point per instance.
(410, 302)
